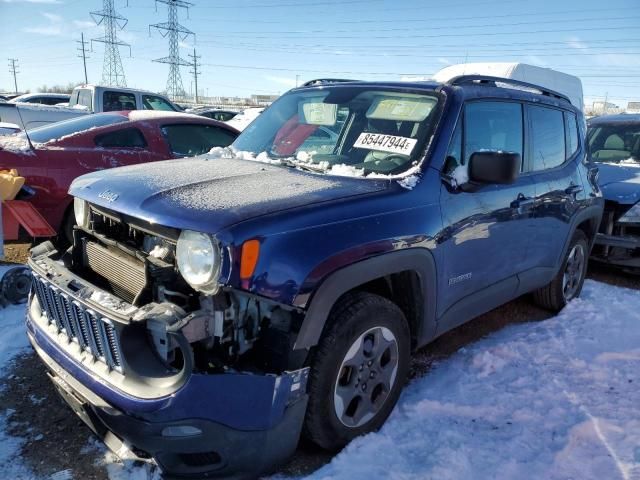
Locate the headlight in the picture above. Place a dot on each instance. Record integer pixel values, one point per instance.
(199, 260)
(81, 210)
(632, 215)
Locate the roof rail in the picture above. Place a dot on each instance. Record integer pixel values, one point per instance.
(485, 79)
(324, 81)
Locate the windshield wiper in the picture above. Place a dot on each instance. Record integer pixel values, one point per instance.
(287, 162)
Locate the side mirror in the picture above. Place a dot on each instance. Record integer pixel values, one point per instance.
(494, 167)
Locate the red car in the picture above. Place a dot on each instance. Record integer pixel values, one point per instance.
(62, 151)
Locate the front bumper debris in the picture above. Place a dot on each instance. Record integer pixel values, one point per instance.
(232, 424)
(618, 250)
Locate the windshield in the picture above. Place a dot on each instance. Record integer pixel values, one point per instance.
(343, 130)
(615, 143)
(58, 130)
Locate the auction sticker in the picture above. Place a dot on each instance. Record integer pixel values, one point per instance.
(385, 143)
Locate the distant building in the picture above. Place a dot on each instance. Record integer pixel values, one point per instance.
(600, 108)
(263, 100)
(633, 107)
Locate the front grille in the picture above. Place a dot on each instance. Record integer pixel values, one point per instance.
(125, 274)
(94, 334)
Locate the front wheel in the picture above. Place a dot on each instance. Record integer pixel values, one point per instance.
(358, 370)
(567, 284)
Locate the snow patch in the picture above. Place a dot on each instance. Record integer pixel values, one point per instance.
(110, 302)
(556, 399)
(409, 182)
(460, 175)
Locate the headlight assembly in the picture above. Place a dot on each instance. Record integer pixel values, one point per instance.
(632, 215)
(199, 260)
(81, 211)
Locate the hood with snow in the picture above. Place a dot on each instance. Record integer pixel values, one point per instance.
(620, 182)
(210, 194)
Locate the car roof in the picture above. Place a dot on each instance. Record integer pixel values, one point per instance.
(122, 89)
(467, 90)
(619, 118)
(164, 115)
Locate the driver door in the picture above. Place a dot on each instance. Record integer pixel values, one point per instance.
(489, 226)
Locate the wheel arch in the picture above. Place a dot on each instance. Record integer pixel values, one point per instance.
(587, 220)
(386, 275)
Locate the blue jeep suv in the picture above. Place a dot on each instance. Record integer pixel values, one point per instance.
(210, 312)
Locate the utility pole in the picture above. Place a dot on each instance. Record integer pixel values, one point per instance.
(112, 71)
(82, 49)
(195, 72)
(297, 79)
(13, 70)
(175, 32)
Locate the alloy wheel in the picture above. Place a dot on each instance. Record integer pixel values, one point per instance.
(366, 376)
(573, 272)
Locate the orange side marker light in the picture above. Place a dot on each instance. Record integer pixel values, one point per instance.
(249, 258)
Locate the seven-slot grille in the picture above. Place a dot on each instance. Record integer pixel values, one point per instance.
(80, 324)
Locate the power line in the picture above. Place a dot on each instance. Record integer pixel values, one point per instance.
(439, 35)
(404, 28)
(173, 30)
(112, 71)
(83, 55)
(195, 72)
(13, 69)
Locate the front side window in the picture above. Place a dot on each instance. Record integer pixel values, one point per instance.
(54, 131)
(153, 102)
(615, 143)
(494, 127)
(118, 101)
(359, 130)
(125, 138)
(547, 137)
(187, 140)
(571, 128)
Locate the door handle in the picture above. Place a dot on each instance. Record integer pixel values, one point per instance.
(523, 203)
(573, 189)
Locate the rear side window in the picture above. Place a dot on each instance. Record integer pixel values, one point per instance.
(187, 140)
(492, 126)
(117, 101)
(547, 137)
(85, 99)
(54, 131)
(571, 128)
(126, 138)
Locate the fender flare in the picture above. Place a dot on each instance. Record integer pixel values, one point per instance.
(347, 278)
(592, 213)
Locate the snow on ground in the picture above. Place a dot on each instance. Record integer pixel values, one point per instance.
(557, 399)
(13, 341)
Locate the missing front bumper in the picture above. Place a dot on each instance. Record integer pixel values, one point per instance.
(216, 449)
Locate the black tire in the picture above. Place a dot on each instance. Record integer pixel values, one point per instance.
(357, 316)
(555, 296)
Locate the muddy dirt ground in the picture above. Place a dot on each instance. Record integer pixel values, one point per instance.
(57, 440)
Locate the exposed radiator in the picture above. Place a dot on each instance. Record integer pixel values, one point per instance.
(124, 274)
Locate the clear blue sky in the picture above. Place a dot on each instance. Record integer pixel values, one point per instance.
(259, 46)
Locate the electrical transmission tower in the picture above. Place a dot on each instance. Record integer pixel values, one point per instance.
(195, 71)
(83, 54)
(112, 71)
(175, 32)
(13, 69)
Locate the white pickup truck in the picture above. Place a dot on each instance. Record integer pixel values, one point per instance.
(85, 99)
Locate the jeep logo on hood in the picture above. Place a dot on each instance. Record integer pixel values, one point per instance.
(109, 196)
